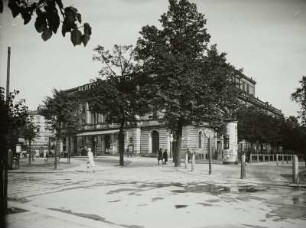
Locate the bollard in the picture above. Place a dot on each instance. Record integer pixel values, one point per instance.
(295, 169)
(276, 158)
(186, 160)
(243, 171)
(209, 156)
(192, 162)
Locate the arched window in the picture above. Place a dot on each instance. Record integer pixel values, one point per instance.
(200, 139)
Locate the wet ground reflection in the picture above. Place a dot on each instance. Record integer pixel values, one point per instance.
(219, 189)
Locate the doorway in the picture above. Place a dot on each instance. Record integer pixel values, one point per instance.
(107, 143)
(155, 141)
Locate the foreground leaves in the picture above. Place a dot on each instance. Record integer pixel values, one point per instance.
(48, 19)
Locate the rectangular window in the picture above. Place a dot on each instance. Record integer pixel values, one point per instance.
(83, 114)
(64, 143)
(226, 142)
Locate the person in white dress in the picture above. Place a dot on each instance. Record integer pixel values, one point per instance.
(91, 162)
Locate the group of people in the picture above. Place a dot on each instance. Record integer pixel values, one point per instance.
(162, 156)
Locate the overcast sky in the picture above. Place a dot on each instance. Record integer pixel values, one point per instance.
(267, 38)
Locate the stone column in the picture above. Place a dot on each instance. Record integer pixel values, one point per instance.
(295, 169)
(243, 170)
(230, 143)
(136, 139)
(87, 114)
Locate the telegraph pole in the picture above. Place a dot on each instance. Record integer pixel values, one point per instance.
(8, 73)
(4, 146)
(6, 151)
(7, 99)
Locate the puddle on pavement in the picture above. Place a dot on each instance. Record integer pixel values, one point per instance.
(292, 207)
(156, 198)
(287, 212)
(219, 189)
(250, 188)
(211, 188)
(205, 204)
(121, 190)
(180, 206)
(93, 217)
(114, 201)
(17, 199)
(299, 201)
(15, 210)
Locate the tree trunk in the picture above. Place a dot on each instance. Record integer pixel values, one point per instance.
(69, 150)
(30, 153)
(3, 177)
(179, 132)
(56, 152)
(121, 145)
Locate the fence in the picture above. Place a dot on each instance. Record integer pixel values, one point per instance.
(278, 158)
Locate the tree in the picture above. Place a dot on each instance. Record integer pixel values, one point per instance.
(29, 132)
(13, 116)
(255, 126)
(299, 96)
(48, 18)
(187, 81)
(293, 135)
(115, 93)
(61, 112)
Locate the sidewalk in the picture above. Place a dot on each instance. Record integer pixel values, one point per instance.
(41, 165)
(128, 196)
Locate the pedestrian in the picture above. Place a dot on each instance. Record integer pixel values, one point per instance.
(90, 162)
(131, 150)
(32, 154)
(165, 157)
(160, 155)
(46, 158)
(189, 155)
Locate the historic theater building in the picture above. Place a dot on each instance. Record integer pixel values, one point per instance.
(150, 134)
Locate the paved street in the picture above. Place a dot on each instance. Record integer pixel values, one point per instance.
(144, 194)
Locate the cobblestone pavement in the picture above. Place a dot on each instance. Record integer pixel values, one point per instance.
(144, 194)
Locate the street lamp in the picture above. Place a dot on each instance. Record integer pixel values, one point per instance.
(206, 134)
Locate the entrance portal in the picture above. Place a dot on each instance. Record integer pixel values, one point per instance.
(155, 141)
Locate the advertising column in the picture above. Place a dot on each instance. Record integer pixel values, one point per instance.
(230, 143)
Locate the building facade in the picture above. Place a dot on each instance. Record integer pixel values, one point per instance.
(45, 138)
(148, 135)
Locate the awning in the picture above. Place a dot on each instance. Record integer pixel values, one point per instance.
(98, 132)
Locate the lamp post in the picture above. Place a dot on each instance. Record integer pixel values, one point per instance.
(207, 135)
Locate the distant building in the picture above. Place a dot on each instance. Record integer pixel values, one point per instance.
(44, 141)
(150, 134)
(247, 86)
